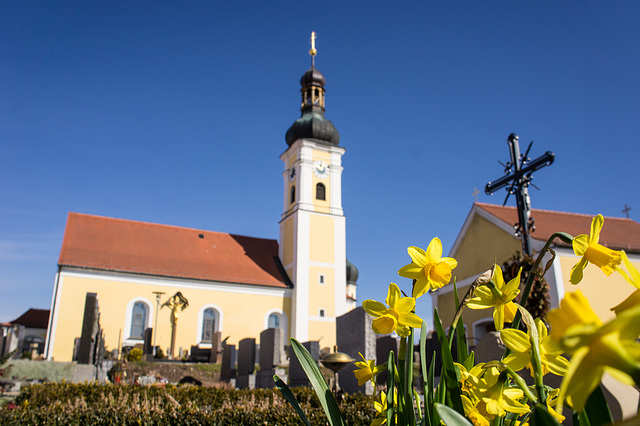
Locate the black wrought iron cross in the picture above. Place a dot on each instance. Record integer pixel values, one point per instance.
(518, 175)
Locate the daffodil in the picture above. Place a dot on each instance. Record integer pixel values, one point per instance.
(470, 379)
(596, 347)
(552, 401)
(497, 397)
(498, 295)
(472, 412)
(633, 277)
(430, 270)
(381, 409)
(588, 248)
(367, 370)
(398, 316)
(519, 343)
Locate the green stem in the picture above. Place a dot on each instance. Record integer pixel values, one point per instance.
(521, 383)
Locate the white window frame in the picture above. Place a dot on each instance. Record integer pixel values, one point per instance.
(128, 341)
(218, 326)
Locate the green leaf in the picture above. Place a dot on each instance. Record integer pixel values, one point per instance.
(597, 409)
(427, 376)
(449, 374)
(461, 338)
(312, 371)
(391, 384)
(450, 417)
(540, 416)
(286, 392)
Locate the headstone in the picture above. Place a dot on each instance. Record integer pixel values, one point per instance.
(147, 347)
(14, 339)
(90, 330)
(246, 361)
(270, 357)
(228, 367)
(297, 376)
(199, 354)
(384, 345)
(354, 335)
(489, 348)
(216, 348)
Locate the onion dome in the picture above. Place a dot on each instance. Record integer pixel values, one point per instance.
(352, 273)
(312, 124)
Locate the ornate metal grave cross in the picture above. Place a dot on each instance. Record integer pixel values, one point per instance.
(518, 175)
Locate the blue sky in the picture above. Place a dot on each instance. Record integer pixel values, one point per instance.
(175, 113)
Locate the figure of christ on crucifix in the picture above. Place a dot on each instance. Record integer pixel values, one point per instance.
(176, 303)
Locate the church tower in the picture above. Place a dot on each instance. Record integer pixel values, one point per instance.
(312, 227)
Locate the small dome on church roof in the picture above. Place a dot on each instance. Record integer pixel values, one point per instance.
(312, 125)
(312, 77)
(352, 273)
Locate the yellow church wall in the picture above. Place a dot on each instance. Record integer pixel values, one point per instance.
(243, 314)
(322, 240)
(287, 243)
(321, 295)
(603, 292)
(325, 331)
(483, 244)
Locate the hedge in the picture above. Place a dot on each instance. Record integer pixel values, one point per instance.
(108, 404)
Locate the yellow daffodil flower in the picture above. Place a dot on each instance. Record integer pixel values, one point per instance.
(552, 401)
(472, 412)
(381, 409)
(595, 347)
(498, 398)
(499, 296)
(633, 277)
(470, 379)
(398, 317)
(519, 343)
(367, 370)
(430, 270)
(587, 246)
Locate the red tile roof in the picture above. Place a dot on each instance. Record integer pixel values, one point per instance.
(120, 245)
(617, 233)
(33, 318)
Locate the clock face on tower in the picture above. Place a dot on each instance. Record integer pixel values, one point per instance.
(321, 169)
(292, 174)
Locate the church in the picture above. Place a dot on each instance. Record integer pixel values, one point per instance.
(232, 284)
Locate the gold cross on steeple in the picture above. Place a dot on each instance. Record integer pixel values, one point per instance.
(313, 50)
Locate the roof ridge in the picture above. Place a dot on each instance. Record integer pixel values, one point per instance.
(480, 204)
(152, 224)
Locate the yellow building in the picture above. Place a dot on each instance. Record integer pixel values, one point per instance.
(234, 284)
(488, 235)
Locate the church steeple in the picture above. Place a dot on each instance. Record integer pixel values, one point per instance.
(312, 124)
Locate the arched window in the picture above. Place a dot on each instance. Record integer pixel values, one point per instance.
(209, 323)
(321, 192)
(138, 320)
(274, 321)
(293, 194)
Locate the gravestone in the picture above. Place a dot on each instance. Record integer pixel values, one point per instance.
(384, 345)
(89, 337)
(13, 340)
(199, 354)
(353, 335)
(147, 347)
(216, 348)
(228, 367)
(297, 376)
(270, 357)
(246, 362)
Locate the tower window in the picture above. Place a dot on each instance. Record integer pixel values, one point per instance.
(293, 194)
(321, 192)
(321, 312)
(321, 279)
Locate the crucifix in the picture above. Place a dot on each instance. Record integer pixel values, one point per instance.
(518, 175)
(176, 303)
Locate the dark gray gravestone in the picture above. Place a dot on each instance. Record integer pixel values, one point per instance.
(147, 347)
(354, 335)
(270, 357)
(90, 330)
(297, 376)
(228, 367)
(384, 345)
(246, 362)
(199, 354)
(216, 348)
